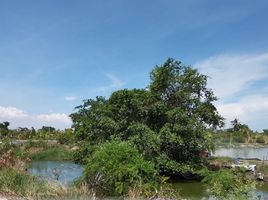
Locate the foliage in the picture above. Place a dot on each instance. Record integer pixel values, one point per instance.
(4, 129)
(20, 184)
(53, 153)
(239, 133)
(116, 167)
(229, 184)
(67, 137)
(38, 144)
(16, 183)
(167, 122)
(85, 150)
(44, 133)
(260, 139)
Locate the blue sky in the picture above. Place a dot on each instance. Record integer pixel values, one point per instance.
(55, 53)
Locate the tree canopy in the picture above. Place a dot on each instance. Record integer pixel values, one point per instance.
(167, 121)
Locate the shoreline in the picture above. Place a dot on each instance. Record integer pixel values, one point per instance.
(241, 145)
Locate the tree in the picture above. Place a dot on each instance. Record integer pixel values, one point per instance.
(167, 121)
(4, 129)
(265, 131)
(241, 129)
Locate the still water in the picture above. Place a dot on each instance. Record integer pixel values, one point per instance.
(63, 172)
(195, 190)
(66, 172)
(243, 152)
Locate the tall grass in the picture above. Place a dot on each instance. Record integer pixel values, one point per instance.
(19, 184)
(14, 182)
(53, 153)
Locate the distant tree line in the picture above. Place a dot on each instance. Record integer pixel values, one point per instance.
(45, 132)
(240, 133)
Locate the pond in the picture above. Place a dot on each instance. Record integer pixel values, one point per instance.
(243, 152)
(66, 172)
(196, 190)
(63, 172)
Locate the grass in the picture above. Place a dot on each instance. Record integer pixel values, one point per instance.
(14, 183)
(17, 183)
(38, 151)
(55, 153)
(219, 162)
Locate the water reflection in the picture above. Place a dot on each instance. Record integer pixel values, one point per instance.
(63, 172)
(245, 152)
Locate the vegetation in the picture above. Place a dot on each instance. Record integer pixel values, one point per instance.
(167, 122)
(135, 140)
(53, 153)
(45, 133)
(14, 182)
(230, 184)
(239, 133)
(116, 167)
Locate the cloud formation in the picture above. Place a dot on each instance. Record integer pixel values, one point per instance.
(115, 83)
(12, 112)
(230, 74)
(20, 118)
(70, 98)
(234, 79)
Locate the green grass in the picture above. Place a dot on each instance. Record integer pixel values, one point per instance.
(14, 183)
(263, 169)
(17, 183)
(55, 153)
(222, 159)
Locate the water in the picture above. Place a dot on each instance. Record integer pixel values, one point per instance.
(63, 172)
(69, 171)
(195, 190)
(190, 189)
(243, 152)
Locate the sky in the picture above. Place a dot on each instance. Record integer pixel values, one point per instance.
(55, 53)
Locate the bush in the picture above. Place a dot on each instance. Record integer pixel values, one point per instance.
(229, 184)
(239, 139)
(117, 167)
(66, 137)
(36, 143)
(85, 150)
(260, 139)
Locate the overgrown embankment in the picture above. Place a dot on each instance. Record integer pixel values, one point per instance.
(16, 182)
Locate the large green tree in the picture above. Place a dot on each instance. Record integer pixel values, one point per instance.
(167, 121)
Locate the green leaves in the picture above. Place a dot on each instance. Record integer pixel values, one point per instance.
(121, 167)
(166, 122)
(229, 184)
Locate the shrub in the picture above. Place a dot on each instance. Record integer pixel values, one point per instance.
(85, 150)
(260, 139)
(66, 137)
(117, 167)
(239, 139)
(229, 184)
(37, 143)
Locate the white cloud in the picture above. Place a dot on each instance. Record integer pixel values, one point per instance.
(115, 83)
(19, 118)
(12, 112)
(252, 110)
(54, 117)
(232, 78)
(231, 74)
(70, 98)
